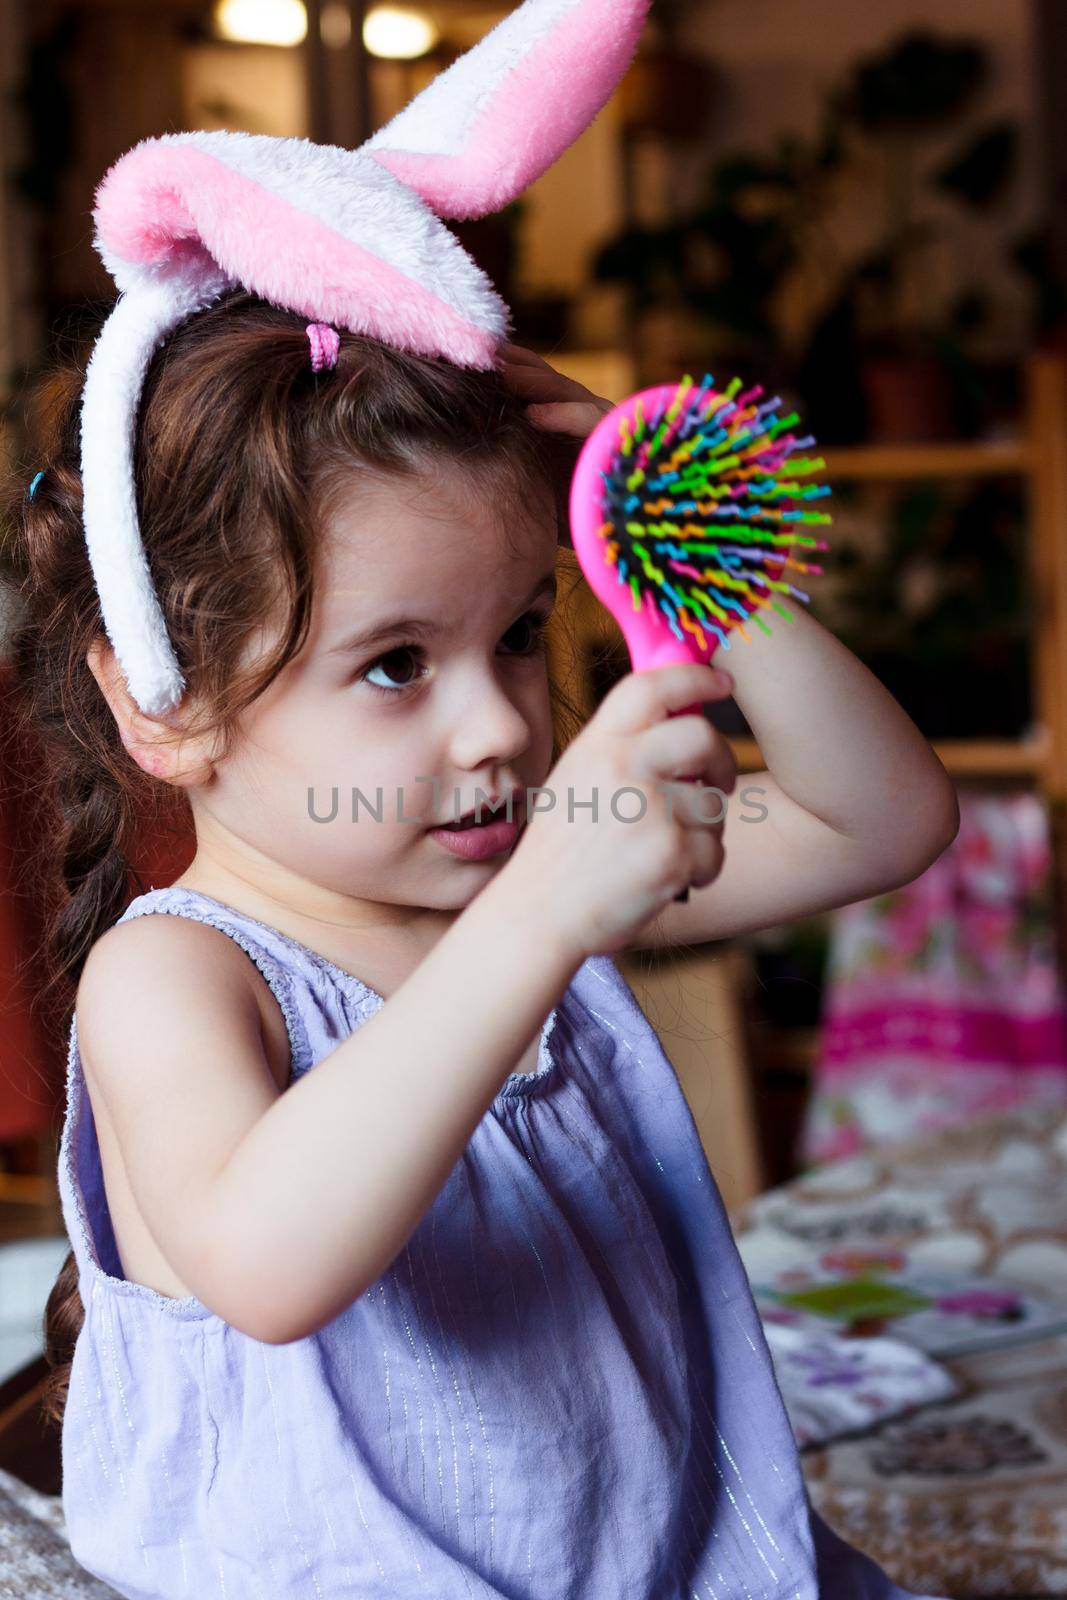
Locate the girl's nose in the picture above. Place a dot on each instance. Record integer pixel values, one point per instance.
(489, 727)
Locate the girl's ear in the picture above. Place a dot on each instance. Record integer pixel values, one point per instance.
(498, 118)
(154, 743)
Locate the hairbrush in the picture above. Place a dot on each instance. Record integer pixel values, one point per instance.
(685, 504)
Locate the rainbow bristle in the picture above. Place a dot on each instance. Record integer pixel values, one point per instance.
(701, 504)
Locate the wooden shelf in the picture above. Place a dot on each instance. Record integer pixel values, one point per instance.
(893, 462)
(962, 758)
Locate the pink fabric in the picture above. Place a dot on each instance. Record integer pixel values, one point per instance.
(532, 116)
(981, 1033)
(162, 201)
(943, 1000)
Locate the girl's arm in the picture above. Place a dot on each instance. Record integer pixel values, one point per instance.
(853, 802)
(327, 1165)
(280, 1209)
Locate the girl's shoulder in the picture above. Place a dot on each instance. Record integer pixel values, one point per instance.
(174, 1043)
(154, 970)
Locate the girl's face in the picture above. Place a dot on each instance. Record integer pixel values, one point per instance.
(425, 660)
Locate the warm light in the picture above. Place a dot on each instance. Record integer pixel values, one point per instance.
(261, 21)
(398, 34)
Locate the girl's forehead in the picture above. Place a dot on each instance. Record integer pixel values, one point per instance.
(387, 546)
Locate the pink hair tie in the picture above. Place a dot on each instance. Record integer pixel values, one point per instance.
(325, 343)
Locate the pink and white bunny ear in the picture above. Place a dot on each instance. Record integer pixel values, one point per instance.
(350, 238)
(498, 118)
(322, 231)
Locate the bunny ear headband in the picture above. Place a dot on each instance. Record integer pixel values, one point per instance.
(352, 238)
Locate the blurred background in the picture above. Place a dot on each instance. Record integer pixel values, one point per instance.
(861, 207)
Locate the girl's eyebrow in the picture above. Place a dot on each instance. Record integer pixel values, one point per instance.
(424, 627)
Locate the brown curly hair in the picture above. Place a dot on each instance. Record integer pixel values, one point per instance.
(238, 444)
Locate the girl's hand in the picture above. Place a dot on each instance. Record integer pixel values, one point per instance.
(603, 875)
(559, 404)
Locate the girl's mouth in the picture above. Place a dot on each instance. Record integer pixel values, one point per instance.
(476, 841)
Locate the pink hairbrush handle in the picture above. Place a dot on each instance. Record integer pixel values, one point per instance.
(686, 504)
(649, 639)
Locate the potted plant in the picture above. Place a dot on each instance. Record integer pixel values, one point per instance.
(893, 103)
(719, 267)
(749, 264)
(940, 610)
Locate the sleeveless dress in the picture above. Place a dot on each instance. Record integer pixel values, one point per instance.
(559, 1390)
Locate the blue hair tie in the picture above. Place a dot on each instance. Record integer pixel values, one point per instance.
(34, 483)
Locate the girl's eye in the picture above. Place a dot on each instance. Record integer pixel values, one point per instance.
(527, 635)
(400, 654)
(532, 631)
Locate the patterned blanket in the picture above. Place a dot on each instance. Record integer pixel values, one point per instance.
(967, 1497)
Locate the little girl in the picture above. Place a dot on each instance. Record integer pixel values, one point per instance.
(397, 1267)
(401, 1267)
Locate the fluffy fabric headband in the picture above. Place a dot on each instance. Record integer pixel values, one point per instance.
(349, 238)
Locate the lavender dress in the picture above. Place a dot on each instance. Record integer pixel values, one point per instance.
(558, 1391)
